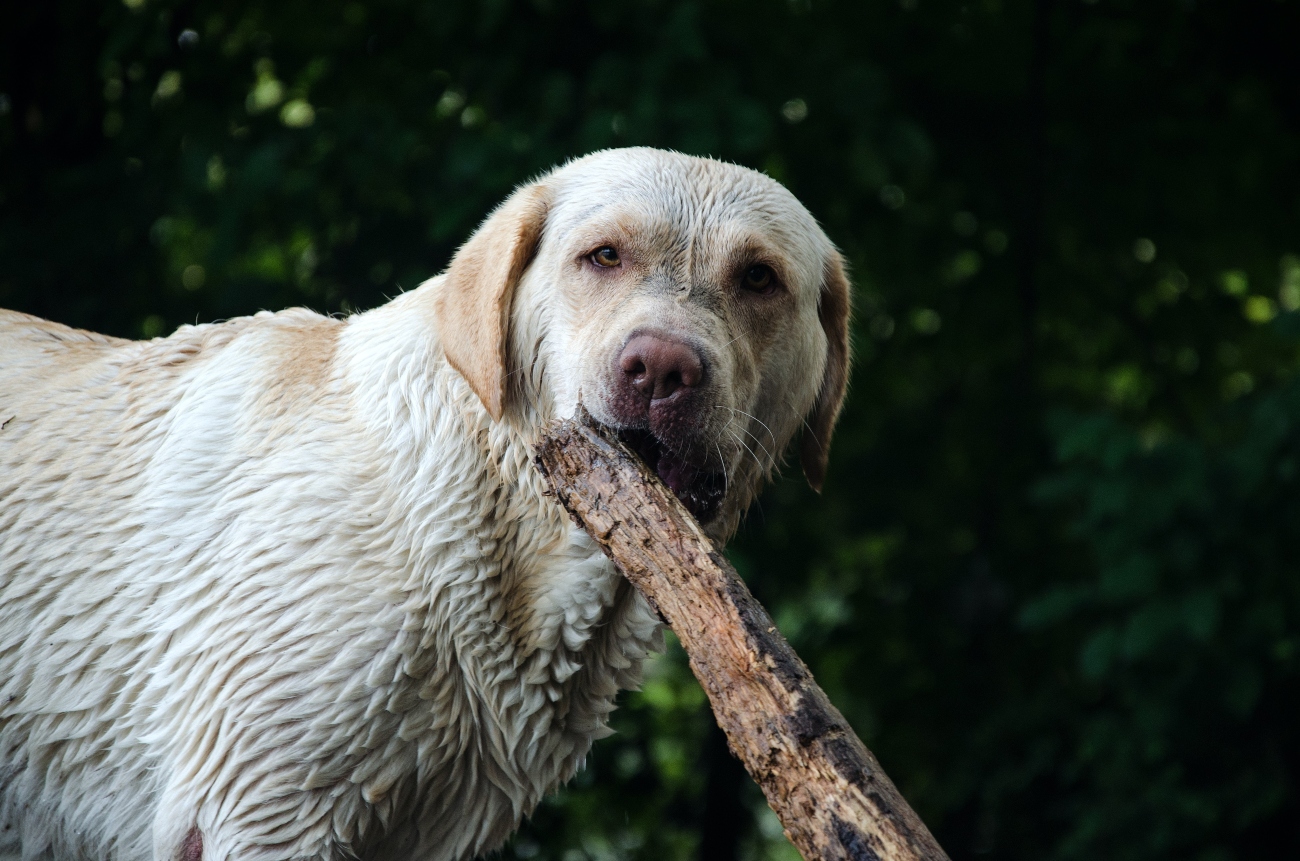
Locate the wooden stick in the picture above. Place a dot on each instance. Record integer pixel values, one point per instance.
(827, 788)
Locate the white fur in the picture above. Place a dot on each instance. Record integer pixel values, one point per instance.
(283, 580)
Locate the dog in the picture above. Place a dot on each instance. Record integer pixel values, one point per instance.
(288, 586)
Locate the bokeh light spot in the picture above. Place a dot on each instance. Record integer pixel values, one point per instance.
(1234, 282)
(193, 276)
(298, 114)
(892, 197)
(926, 321)
(1144, 250)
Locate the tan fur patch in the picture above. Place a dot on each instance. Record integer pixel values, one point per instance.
(308, 354)
(833, 310)
(474, 305)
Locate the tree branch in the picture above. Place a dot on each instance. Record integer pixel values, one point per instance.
(827, 788)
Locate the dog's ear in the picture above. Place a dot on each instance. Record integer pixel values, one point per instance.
(473, 306)
(833, 309)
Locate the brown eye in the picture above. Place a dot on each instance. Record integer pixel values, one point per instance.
(605, 256)
(758, 279)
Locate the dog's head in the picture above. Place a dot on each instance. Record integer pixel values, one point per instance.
(693, 305)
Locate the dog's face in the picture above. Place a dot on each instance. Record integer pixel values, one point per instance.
(695, 306)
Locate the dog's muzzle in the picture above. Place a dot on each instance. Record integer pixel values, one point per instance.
(700, 489)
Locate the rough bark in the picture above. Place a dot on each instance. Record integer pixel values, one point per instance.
(827, 788)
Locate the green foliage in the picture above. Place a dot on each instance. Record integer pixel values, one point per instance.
(1050, 579)
(1185, 628)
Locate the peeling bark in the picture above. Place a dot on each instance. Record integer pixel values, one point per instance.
(825, 786)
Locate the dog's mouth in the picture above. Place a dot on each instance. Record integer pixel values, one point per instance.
(700, 489)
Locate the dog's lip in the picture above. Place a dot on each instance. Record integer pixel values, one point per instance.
(699, 488)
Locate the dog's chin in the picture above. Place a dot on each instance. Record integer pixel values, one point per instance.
(699, 488)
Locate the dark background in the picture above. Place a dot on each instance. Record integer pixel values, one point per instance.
(1053, 580)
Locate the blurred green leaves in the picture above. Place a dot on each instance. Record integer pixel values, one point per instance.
(1184, 626)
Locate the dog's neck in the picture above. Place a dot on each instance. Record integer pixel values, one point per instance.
(542, 624)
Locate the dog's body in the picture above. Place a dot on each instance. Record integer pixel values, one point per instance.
(288, 586)
(223, 534)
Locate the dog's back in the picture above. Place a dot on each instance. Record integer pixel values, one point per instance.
(105, 446)
(54, 449)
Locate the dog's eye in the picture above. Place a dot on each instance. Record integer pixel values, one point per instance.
(606, 256)
(758, 279)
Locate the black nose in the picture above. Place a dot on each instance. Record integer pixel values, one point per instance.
(658, 367)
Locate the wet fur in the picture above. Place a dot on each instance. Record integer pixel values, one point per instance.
(287, 586)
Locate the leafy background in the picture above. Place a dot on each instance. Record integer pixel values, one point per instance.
(1052, 580)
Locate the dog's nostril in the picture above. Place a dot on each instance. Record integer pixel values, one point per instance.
(633, 366)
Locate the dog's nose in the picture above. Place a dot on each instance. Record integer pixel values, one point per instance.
(657, 366)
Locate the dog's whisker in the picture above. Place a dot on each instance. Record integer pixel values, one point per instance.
(764, 466)
(770, 456)
(732, 341)
(760, 421)
(748, 450)
(722, 461)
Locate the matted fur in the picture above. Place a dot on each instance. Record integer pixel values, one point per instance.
(288, 586)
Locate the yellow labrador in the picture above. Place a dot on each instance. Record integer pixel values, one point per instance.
(288, 587)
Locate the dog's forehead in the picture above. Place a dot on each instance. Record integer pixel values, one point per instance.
(694, 197)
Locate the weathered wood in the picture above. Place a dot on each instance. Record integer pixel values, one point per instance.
(827, 788)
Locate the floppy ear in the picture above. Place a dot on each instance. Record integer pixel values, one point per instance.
(833, 309)
(473, 306)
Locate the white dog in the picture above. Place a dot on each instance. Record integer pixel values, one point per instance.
(288, 586)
